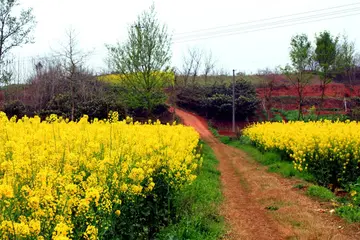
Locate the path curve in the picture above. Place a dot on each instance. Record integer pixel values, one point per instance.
(248, 189)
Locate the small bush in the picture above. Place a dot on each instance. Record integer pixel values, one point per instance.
(350, 213)
(160, 109)
(15, 108)
(292, 115)
(95, 108)
(215, 101)
(321, 193)
(277, 118)
(225, 139)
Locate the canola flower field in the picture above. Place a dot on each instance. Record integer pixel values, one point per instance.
(68, 180)
(330, 151)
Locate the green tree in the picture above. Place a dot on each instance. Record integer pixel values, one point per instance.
(325, 56)
(15, 29)
(143, 62)
(300, 55)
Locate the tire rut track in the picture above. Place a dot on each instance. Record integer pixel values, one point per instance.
(248, 189)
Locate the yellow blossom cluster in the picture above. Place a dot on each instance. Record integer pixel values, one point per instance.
(67, 180)
(321, 144)
(118, 78)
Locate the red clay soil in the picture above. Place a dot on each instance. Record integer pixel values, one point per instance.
(337, 90)
(249, 189)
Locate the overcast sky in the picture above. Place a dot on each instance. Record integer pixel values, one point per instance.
(106, 21)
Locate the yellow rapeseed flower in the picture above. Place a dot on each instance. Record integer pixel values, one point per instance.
(62, 173)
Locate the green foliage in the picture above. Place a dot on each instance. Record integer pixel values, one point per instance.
(98, 107)
(321, 193)
(244, 140)
(354, 190)
(16, 26)
(223, 139)
(5, 76)
(272, 208)
(270, 158)
(300, 53)
(346, 59)
(325, 54)
(277, 118)
(143, 61)
(334, 117)
(15, 108)
(215, 101)
(301, 56)
(328, 172)
(197, 206)
(299, 186)
(275, 161)
(350, 213)
(193, 98)
(213, 130)
(283, 168)
(142, 218)
(291, 115)
(277, 115)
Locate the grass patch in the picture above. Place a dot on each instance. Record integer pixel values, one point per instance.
(295, 223)
(197, 206)
(350, 213)
(213, 130)
(273, 160)
(320, 193)
(272, 208)
(285, 168)
(223, 139)
(299, 186)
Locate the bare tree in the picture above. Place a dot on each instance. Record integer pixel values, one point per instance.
(72, 62)
(346, 59)
(209, 65)
(47, 81)
(191, 65)
(268, 82)
(186, 68)
(196, 54)
(220, 75)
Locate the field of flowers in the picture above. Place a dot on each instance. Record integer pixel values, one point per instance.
(330, 151)
(118, 78)
(81, 180)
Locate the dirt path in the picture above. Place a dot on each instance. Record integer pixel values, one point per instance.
(248, 189)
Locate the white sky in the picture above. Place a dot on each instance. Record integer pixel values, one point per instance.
(106, 21)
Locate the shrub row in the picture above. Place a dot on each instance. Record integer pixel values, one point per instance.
(215, 101)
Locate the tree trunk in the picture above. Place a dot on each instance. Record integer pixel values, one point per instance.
(323, 86)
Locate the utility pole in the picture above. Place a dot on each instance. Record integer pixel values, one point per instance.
(233, 102)
(174, 97)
